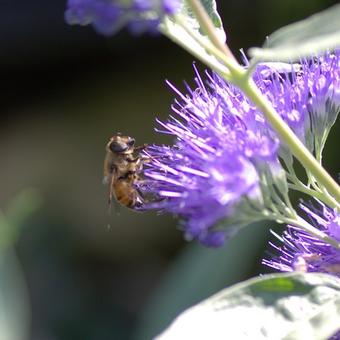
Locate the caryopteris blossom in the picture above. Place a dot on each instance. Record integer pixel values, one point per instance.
(301, 251)
(224, 170)
(109, 16)
(307, 96)
(215, 170)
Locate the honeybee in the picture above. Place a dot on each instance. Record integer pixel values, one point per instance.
(122, 169)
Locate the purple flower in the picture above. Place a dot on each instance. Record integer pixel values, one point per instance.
(223, 170)
(306, 95)
(301, 251)
(109, 16)
(213, 172)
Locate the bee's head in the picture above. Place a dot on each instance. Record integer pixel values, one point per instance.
(121, 144)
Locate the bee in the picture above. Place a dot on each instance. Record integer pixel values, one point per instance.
(122, 168)
(125, 192)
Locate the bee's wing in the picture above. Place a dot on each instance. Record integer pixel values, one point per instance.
(114, 205)
(109, 179)
(113, 202)
(107, 168)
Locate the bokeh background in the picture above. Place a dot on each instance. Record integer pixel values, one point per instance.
(68, 268)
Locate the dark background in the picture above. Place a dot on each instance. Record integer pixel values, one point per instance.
(68, 269)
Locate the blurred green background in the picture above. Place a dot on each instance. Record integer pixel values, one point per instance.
(64, 274)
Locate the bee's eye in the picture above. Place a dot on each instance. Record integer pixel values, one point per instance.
(118, 147)
(131, 142)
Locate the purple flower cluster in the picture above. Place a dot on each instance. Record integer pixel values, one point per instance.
(224, 165)
(302, 251)
(109, 16)
(307, 96)
(213, 169)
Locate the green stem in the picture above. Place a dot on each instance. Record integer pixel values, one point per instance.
(301, 223)
(203, 57)
(290, 218)
(320, 196)
(297, 221)
(297, 185)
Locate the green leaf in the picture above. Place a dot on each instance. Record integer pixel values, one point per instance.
(196, 274)
(311, 36)
(173, 27)
(211, 9)
(275, 306)
(14, 300)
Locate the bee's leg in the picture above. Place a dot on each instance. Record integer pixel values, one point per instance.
(128, 175)
(133, 160)
(141, 181)
(137, 158)
(141, 147)
(140, 193)
(141, 160)
(138, 161)
(113, 168)
(147, 159)
(139, 201)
